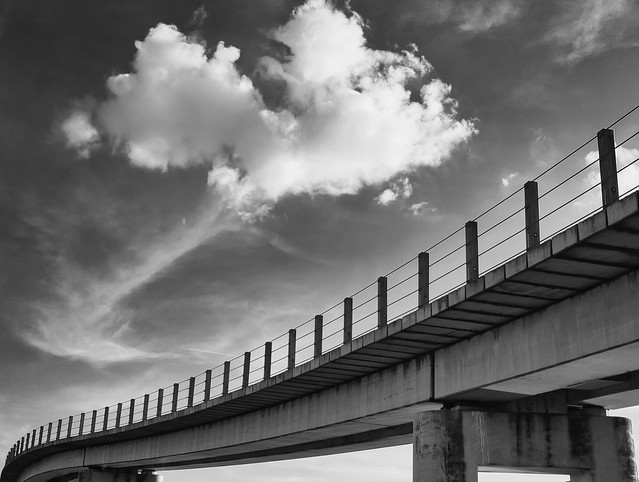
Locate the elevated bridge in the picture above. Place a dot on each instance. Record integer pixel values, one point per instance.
(511, 369)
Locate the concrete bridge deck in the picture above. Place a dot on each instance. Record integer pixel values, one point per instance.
(562, 316)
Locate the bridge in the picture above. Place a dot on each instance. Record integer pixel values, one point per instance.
(506, 368)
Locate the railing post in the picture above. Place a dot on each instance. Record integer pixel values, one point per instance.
(531, 211)
(423, 262)
(226, 377)
(59, 429)
(81, 426)
(145, 407)
(105, 422)
(28, 440)
(207, 385)
(93, 419)
(191, 392)
(41, 435)
(69, 427)
(472, 252)
(319, 333)
(607, 167)
(382, 301)
(247, 369)
(49, 432)
(158, 412)
(268, 354)
(292, 338)
(22, 445)
(118, 416)
(33, 438)
(131, 411)
(348, 320)
(174, 401)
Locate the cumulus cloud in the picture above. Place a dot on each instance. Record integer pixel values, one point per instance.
(348, 119)
(628, 179)
(422, 208)
(80, 133)
(401, 189)
(591, 27)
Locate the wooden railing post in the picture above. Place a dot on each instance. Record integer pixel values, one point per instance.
(105, 422)
(531, 212)
(158, 412)
(81, 427)
(607, 167)
(33, 438)
(268, 355)
(118, 416)
(41, 435)
(174, 402)
(348, 320)
(59, 429)
(382, 301)
(93, 420)
(472, 252)
(226, 378)
(292, 339)
(319, 333)
(423, 261)
(49, 432)
(191, 392)
(246, 369)
(207, 385)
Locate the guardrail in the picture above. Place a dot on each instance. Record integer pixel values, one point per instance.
(439, 270)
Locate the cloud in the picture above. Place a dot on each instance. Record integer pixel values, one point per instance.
(591, 27)
(474, 17)
(505, 181)
(628, 179)
(401, 189)
(87, 317)
(348, 119)
(480, 16)
(80, 133)
(421, 208)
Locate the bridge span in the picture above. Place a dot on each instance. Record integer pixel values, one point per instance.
(513, 369)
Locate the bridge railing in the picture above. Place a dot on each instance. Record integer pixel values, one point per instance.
(561, 196)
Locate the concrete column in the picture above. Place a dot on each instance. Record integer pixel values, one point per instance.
(126, 475)
(453, 445)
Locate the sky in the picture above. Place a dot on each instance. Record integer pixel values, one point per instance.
(182, 181)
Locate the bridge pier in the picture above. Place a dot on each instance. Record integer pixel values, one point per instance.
(453, 445)
(96, 475)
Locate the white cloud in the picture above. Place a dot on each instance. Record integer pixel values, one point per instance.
(402, 189)
(480, 16)
(628, 179)
(348, 120)
(80, 133)
(590, 27)
(421, 208)
(505, 181)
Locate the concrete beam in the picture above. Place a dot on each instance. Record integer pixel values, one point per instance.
(592, 335)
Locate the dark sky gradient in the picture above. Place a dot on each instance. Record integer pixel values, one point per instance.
(536, 78)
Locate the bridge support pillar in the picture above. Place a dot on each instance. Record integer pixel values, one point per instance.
(96, 475)
(453, 445)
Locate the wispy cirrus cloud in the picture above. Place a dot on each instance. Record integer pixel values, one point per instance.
(588, 28)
